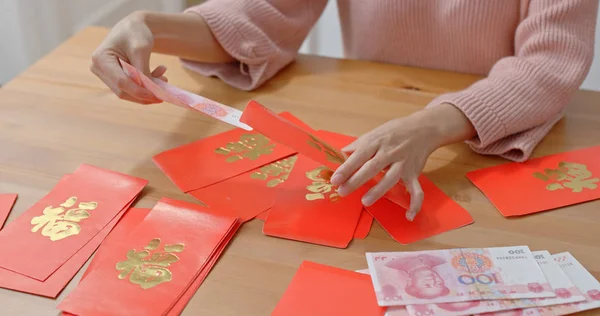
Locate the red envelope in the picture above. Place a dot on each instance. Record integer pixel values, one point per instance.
(263, 216)
(285, 132)
(217, 158)
(364, 225)
(439, 214)
(149, 273)
(6, 203)
(309, 209)
(319, 290)
(56, 282)
(60, 224)
(543, 183)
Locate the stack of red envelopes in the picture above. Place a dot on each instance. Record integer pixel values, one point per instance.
(45, 247)
(284, 179)
(7, 200)
(155, 266)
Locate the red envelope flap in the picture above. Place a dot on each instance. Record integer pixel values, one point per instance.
(296, 121)
(309, 209)
(364, 225)
(288, 134)
(151, 270)
(217, 158)
(439, 214)
(323, 290)
(63, 221)
(7, 201)
(542, 183)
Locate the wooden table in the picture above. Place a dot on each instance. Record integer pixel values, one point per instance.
(57, 115)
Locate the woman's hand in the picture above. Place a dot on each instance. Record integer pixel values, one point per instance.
(132, 41)
(401, 148)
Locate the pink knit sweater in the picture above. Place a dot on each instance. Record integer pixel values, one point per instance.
(535, 53)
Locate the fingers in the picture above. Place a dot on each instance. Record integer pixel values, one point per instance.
(355, 161)
(122, 86)
(368, 170)
(416, 197)
(159, 71)
(389, 180)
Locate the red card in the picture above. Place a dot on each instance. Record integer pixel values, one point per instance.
(543, 183)
(60, 224)
(319, 290)
(285, 132)
(309, 209)
(217, 158)
(6, 203)
(396, 194)
(149, 273)
(439, 214)
(364, 225)
(250, 193)
(56, 282)
(263, 216)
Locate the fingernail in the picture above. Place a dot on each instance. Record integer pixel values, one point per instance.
(410, 216)
(336, 179)
(367, 200)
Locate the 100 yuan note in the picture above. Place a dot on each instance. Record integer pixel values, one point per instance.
(456, 275)
(174, 95)
(565, 290)
(391, 310)
(583, 280)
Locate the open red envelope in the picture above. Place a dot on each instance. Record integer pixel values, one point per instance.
(438, 214)
(7, 201)
(43, 238)
(150, 272)
(309, 209)
(543, 183)
(364, 225)
(217, 158)
(320, 290)
(56, 282)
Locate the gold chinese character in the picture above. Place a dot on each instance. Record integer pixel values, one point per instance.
(250, 146)
(280, 170)
(59, 224)
(332, 154)
(569, 175)
(321, 185)
(149, 271)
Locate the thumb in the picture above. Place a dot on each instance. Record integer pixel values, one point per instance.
(140, 59)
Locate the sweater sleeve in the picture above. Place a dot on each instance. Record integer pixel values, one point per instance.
(262, 35)
(524, 95)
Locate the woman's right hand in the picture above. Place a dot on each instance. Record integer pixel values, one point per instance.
(132, 41)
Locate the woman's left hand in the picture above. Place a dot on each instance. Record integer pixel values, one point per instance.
(401, 148)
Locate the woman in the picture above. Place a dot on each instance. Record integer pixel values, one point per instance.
(535, 53)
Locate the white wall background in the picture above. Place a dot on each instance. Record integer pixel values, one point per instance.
(325, 39)
(31, 28)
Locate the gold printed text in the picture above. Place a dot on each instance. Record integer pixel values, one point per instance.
(275, 173)
(573, 176)
(62, 221)
(321, 188)
(250, 146)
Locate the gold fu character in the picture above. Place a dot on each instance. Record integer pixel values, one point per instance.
(569, 175)
(250, 146)
(321, 185)
(59, 223)
(280, 170)
(332, 154)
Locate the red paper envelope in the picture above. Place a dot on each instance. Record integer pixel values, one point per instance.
(285, 132)
(364, 225)
(263, 216)
(6, 203)
(439, 214)
(56, 282)
(543, 183)
(60, 224)
(309, 209)
(161, 258)
(320, 290)
(396, 194)
(217, 158)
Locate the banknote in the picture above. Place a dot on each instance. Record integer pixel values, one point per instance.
(391, 310)
(583, 280)
(565, 290)
(456, 275)
(174, 95)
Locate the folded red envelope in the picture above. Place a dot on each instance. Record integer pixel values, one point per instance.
(159, 262)
(7, 201)
(47, 235)
(543, 183)
(318, 289)
(439, 214)
(217, 158)
(364, 225)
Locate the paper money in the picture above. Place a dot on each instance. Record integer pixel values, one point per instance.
(174, 95)
(391, 310)
(456, 275)
(565, 290)
(583, 280)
